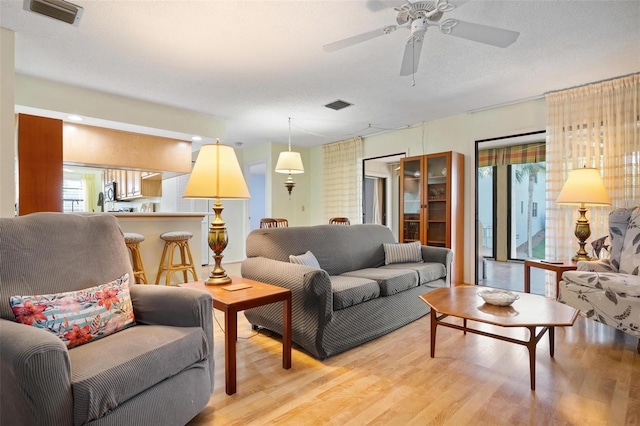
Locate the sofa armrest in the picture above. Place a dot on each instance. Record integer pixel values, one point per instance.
(35, 376)
(612, 282)
(175, 306)
(310, 287)
(600, 265)
(439, 255)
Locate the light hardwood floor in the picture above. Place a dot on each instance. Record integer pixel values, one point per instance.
(594, 379)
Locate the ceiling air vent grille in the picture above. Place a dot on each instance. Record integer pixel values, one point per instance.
(56, 9)
(338, 105)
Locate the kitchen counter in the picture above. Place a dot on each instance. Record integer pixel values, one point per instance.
(134, 215)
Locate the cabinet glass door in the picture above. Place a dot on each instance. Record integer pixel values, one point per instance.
(411, 188)
(437, 193)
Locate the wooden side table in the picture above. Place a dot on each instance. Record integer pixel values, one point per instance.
(231, 302)
(558, 268)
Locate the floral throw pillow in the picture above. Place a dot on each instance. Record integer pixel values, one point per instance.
(79, 317)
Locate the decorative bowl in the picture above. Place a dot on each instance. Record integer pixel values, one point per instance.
(498, 297)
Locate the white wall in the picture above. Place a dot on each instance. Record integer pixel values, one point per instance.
(32, 92)
(296, 209)
(7, 126)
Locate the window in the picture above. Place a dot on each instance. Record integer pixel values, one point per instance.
(534, 209)
(73, 194)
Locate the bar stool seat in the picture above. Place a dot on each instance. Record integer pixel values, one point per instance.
(179, 240)
(133, 241)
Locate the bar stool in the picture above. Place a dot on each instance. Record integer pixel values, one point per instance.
(133, 241)
(339, 221)
(173, 240)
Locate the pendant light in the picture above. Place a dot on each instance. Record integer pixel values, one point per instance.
(290, 163)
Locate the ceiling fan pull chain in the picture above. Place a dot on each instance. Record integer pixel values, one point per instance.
(413, 74)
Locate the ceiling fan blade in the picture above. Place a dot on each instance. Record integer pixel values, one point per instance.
(480, 33)
(350, 41)
(411, 58)
(376, 5)
(458, 3)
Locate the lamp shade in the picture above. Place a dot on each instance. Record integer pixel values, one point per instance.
(584, 186)
(289, 162)
(216, 174)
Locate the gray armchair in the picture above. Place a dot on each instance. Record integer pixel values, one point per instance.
(157, 372)
(608, 290)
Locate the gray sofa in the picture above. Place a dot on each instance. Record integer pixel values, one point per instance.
(353, 297)
(157, 372)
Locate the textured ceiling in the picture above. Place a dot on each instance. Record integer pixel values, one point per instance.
(256, 63)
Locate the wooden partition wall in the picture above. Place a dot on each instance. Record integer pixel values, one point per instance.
(39, 164)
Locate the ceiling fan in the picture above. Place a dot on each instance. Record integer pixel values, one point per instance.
(418, 17)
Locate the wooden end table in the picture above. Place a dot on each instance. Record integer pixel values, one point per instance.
(530, 311)
(558, 268)
(231, 302)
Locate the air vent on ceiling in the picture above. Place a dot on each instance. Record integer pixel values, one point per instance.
(56, 9)
(338, 105)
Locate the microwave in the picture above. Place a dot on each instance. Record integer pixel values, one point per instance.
(110, 193)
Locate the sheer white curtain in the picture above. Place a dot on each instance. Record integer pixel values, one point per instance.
(377, 196)
(594, 126)
(342, 166)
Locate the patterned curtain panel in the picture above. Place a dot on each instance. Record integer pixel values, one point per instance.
(594, 126)
(515, 154)
(342, 166)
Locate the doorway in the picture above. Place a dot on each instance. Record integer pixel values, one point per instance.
(510, 208)
(258, 190)
(381, 191)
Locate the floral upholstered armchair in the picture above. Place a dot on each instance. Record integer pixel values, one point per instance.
(608, 290)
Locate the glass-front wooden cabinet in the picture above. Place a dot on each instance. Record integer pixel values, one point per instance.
(431, 205)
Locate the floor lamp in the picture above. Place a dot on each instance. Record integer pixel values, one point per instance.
(584, 187)
(217, 175)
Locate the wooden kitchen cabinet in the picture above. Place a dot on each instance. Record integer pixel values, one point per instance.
(134, 184)
(432, 203)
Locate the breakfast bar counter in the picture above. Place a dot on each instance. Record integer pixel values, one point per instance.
(151, 225)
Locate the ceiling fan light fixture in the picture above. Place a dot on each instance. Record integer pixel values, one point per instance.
(56, 9)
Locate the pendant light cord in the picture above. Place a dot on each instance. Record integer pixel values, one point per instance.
(289, 134)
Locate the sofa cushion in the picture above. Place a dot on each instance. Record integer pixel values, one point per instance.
(79, 317)
(307, 259)
(428, 272)
(103, 378)
(349, 291)
(391, 281)
(402, 253)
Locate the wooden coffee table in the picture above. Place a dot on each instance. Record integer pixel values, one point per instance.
(530, 311)
(231, 302)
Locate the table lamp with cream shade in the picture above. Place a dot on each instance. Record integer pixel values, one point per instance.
(584, 187)
(217, 175)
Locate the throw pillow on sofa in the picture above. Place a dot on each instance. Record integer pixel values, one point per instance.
(79, 317)
(402, 253)
(307, 259)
